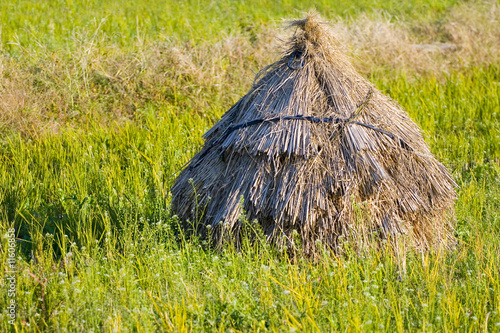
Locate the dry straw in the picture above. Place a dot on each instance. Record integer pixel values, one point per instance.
(315, 148)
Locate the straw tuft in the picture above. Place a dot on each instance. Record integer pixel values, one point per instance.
(315, 148)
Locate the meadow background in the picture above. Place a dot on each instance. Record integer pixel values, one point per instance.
(101, 102)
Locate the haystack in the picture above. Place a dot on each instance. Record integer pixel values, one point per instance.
(315, 149)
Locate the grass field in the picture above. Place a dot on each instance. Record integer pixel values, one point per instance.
(102, 102)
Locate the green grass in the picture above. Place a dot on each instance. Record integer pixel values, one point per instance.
(98, 249)
(59, 23)
(107, 190)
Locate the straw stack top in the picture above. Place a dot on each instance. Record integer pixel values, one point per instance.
(315, 37)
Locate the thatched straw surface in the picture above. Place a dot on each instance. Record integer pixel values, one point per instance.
(314, 147)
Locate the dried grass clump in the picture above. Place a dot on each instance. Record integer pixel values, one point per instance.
(464, 38)
(315, 148)
(43, 90)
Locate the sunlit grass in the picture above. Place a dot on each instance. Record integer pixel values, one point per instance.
(98, 248)
(124, 22)
(122, 265)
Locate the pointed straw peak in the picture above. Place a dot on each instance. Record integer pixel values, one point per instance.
(310, 24)
(314, 37)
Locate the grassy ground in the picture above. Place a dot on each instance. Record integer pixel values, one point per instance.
(95, 118)
(190, 20)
